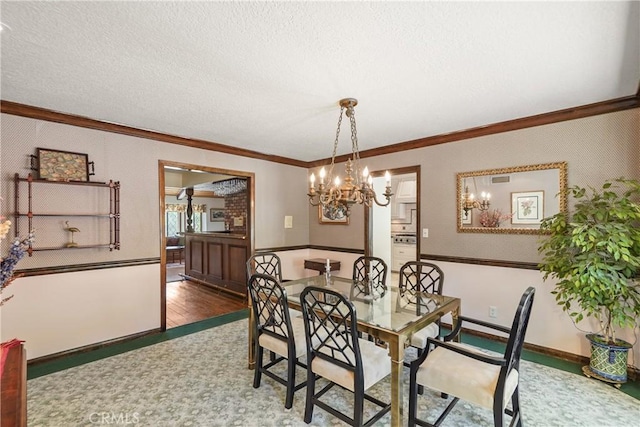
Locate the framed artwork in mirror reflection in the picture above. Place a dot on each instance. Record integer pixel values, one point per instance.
(333, 214)
(527, 207)
(465, 217)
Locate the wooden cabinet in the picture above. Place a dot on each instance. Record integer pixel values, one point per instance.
(13, 387)
(73, 208)
(320, 265)
(402, 254)
(218, 260)
(406, 191)
(398, 210)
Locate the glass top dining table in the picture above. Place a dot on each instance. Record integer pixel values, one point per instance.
(381, 309)
(385, 314)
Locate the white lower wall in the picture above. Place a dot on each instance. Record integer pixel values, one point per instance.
(482, 286)
(107, 304)
(117, 302)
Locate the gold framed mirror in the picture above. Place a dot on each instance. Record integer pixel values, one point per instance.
(510, 200)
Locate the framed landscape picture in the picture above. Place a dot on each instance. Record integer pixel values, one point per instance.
(216, 215)
(56, 165)
(527, 207)
(333, 214)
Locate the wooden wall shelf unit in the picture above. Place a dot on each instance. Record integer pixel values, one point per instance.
(113, 215)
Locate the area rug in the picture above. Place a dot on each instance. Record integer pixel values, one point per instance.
(202, 380)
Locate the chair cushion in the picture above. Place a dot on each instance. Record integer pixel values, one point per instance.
(472, 380)
(376, 365)
(419, 338)
(280, 345)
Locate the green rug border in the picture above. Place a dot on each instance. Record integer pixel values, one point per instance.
(71, 361)
(632, 388)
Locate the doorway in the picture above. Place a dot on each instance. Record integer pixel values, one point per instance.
(186, 301)
(393, 232)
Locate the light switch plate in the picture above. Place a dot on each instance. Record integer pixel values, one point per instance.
(288, 221)
(425, 232)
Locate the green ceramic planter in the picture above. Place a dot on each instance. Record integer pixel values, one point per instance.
(609, 360)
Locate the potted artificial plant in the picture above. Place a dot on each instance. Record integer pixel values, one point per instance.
(594, 254)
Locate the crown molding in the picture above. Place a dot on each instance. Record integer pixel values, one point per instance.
(580, 112)
(32, 112)
(604, 107)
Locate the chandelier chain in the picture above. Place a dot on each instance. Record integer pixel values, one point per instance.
(335, 196)
(354, 143)
(335, 144)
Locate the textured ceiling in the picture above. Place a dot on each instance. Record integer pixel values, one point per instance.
(267, 76)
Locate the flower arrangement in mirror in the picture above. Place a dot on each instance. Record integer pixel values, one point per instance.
(8, 263)
(493, 218)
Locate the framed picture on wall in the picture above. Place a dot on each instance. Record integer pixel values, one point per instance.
(527, 207)
(216, 215)
(56, 165)
(333, 214)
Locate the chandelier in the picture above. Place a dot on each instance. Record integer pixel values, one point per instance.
(469, 202)
(331, 192)
(229, 186)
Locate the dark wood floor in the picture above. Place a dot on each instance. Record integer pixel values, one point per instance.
(189, 302)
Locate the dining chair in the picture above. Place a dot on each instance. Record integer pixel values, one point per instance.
(372, 270)
(277, 331)
(335, 353)
(369, 276)
(420, 277)
(472, 374)
(268, 263)
(265, 263)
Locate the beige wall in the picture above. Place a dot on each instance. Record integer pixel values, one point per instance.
(596, 148)
(134, 162)
(59, 312)
(63, 311)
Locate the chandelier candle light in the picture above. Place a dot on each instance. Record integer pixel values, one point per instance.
(331, 191)
(469, 202)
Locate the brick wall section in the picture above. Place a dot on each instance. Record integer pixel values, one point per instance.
(236, 206)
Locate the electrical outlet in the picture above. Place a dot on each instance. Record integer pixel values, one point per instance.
(493, 311)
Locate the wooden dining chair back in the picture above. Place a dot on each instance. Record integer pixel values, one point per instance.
(335, 353)
(414, 278)
(420, 276)
(371, 271)
(483, 378)
(265, 263)
(277, 331)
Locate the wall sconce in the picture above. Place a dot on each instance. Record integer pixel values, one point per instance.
(469, 202)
